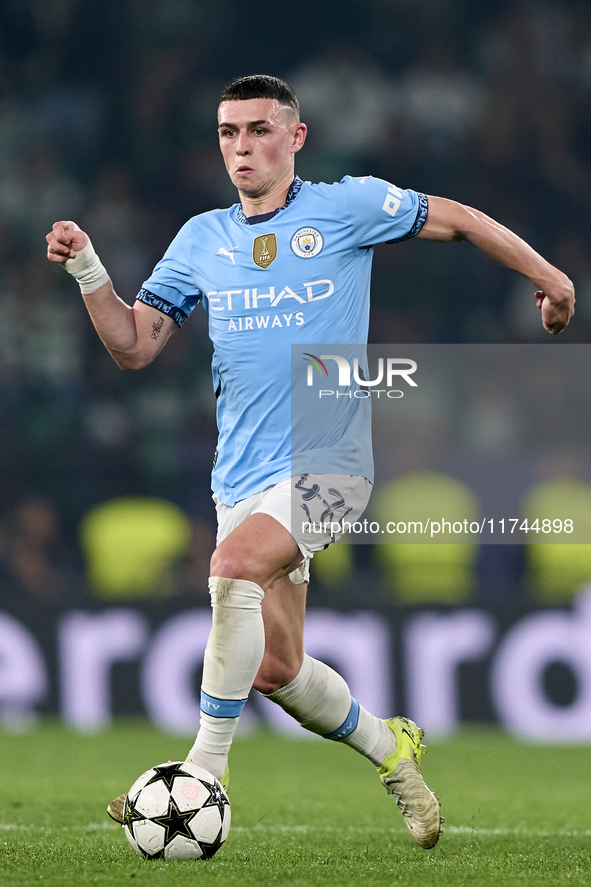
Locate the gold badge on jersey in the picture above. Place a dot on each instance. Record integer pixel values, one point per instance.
(264, 250)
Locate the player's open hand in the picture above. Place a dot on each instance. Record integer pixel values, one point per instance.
(64, 241)
(556, 312)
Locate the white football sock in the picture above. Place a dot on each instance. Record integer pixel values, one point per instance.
(320, 700)
(232, 658)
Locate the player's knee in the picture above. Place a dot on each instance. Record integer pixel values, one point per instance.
(230, 564)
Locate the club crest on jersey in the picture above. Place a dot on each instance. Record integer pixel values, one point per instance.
(264, 250)
(307, 242)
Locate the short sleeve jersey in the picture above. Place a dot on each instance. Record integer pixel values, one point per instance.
(302, 276)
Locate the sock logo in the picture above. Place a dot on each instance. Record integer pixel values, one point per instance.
(221, 708)
(348, 726)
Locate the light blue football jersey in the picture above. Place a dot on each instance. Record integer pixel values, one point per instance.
(301, 277)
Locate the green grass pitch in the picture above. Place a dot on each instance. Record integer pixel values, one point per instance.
(303, 813)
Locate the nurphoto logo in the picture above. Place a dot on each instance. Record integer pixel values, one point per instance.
(396, 369)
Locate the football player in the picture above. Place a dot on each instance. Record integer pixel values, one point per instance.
(288, 264)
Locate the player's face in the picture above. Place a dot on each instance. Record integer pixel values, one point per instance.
(258, 140)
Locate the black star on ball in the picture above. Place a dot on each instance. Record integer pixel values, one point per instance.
(131, 814)
(167, 773)
(217, 798)
(174, 822)
(210, 850)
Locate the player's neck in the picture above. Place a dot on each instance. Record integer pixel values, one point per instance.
(274, 198)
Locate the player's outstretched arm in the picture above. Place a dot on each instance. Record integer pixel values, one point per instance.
(449, 221)
(133, 336)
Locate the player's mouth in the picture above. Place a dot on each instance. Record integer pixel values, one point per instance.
(242, 170)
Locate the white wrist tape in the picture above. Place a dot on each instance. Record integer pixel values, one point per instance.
(87, 269)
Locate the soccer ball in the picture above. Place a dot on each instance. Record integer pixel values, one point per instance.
(176, 811)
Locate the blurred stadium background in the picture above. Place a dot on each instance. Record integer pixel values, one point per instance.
(107, 116)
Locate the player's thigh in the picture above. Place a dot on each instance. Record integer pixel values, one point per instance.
(259, 550)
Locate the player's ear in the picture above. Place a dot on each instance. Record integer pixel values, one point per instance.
(300, 131)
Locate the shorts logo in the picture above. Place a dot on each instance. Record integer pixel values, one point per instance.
(307, 242)
(264, 250)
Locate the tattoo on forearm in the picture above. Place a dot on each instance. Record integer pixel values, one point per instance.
(157, 327)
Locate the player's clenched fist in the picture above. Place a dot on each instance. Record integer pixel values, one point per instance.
(72, 248)
(556, 312)
(64, 241)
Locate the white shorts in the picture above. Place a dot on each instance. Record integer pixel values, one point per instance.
(309, 506)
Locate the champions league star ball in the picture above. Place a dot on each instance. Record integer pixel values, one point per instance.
(176, 811)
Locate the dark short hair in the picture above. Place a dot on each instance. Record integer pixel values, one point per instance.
(261, 86)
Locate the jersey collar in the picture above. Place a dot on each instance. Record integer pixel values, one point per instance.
(293, 192)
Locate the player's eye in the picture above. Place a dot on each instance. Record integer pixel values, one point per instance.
(260, 132)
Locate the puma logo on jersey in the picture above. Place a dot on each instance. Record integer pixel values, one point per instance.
(229, 253)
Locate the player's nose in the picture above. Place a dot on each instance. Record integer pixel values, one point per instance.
(242, 147)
